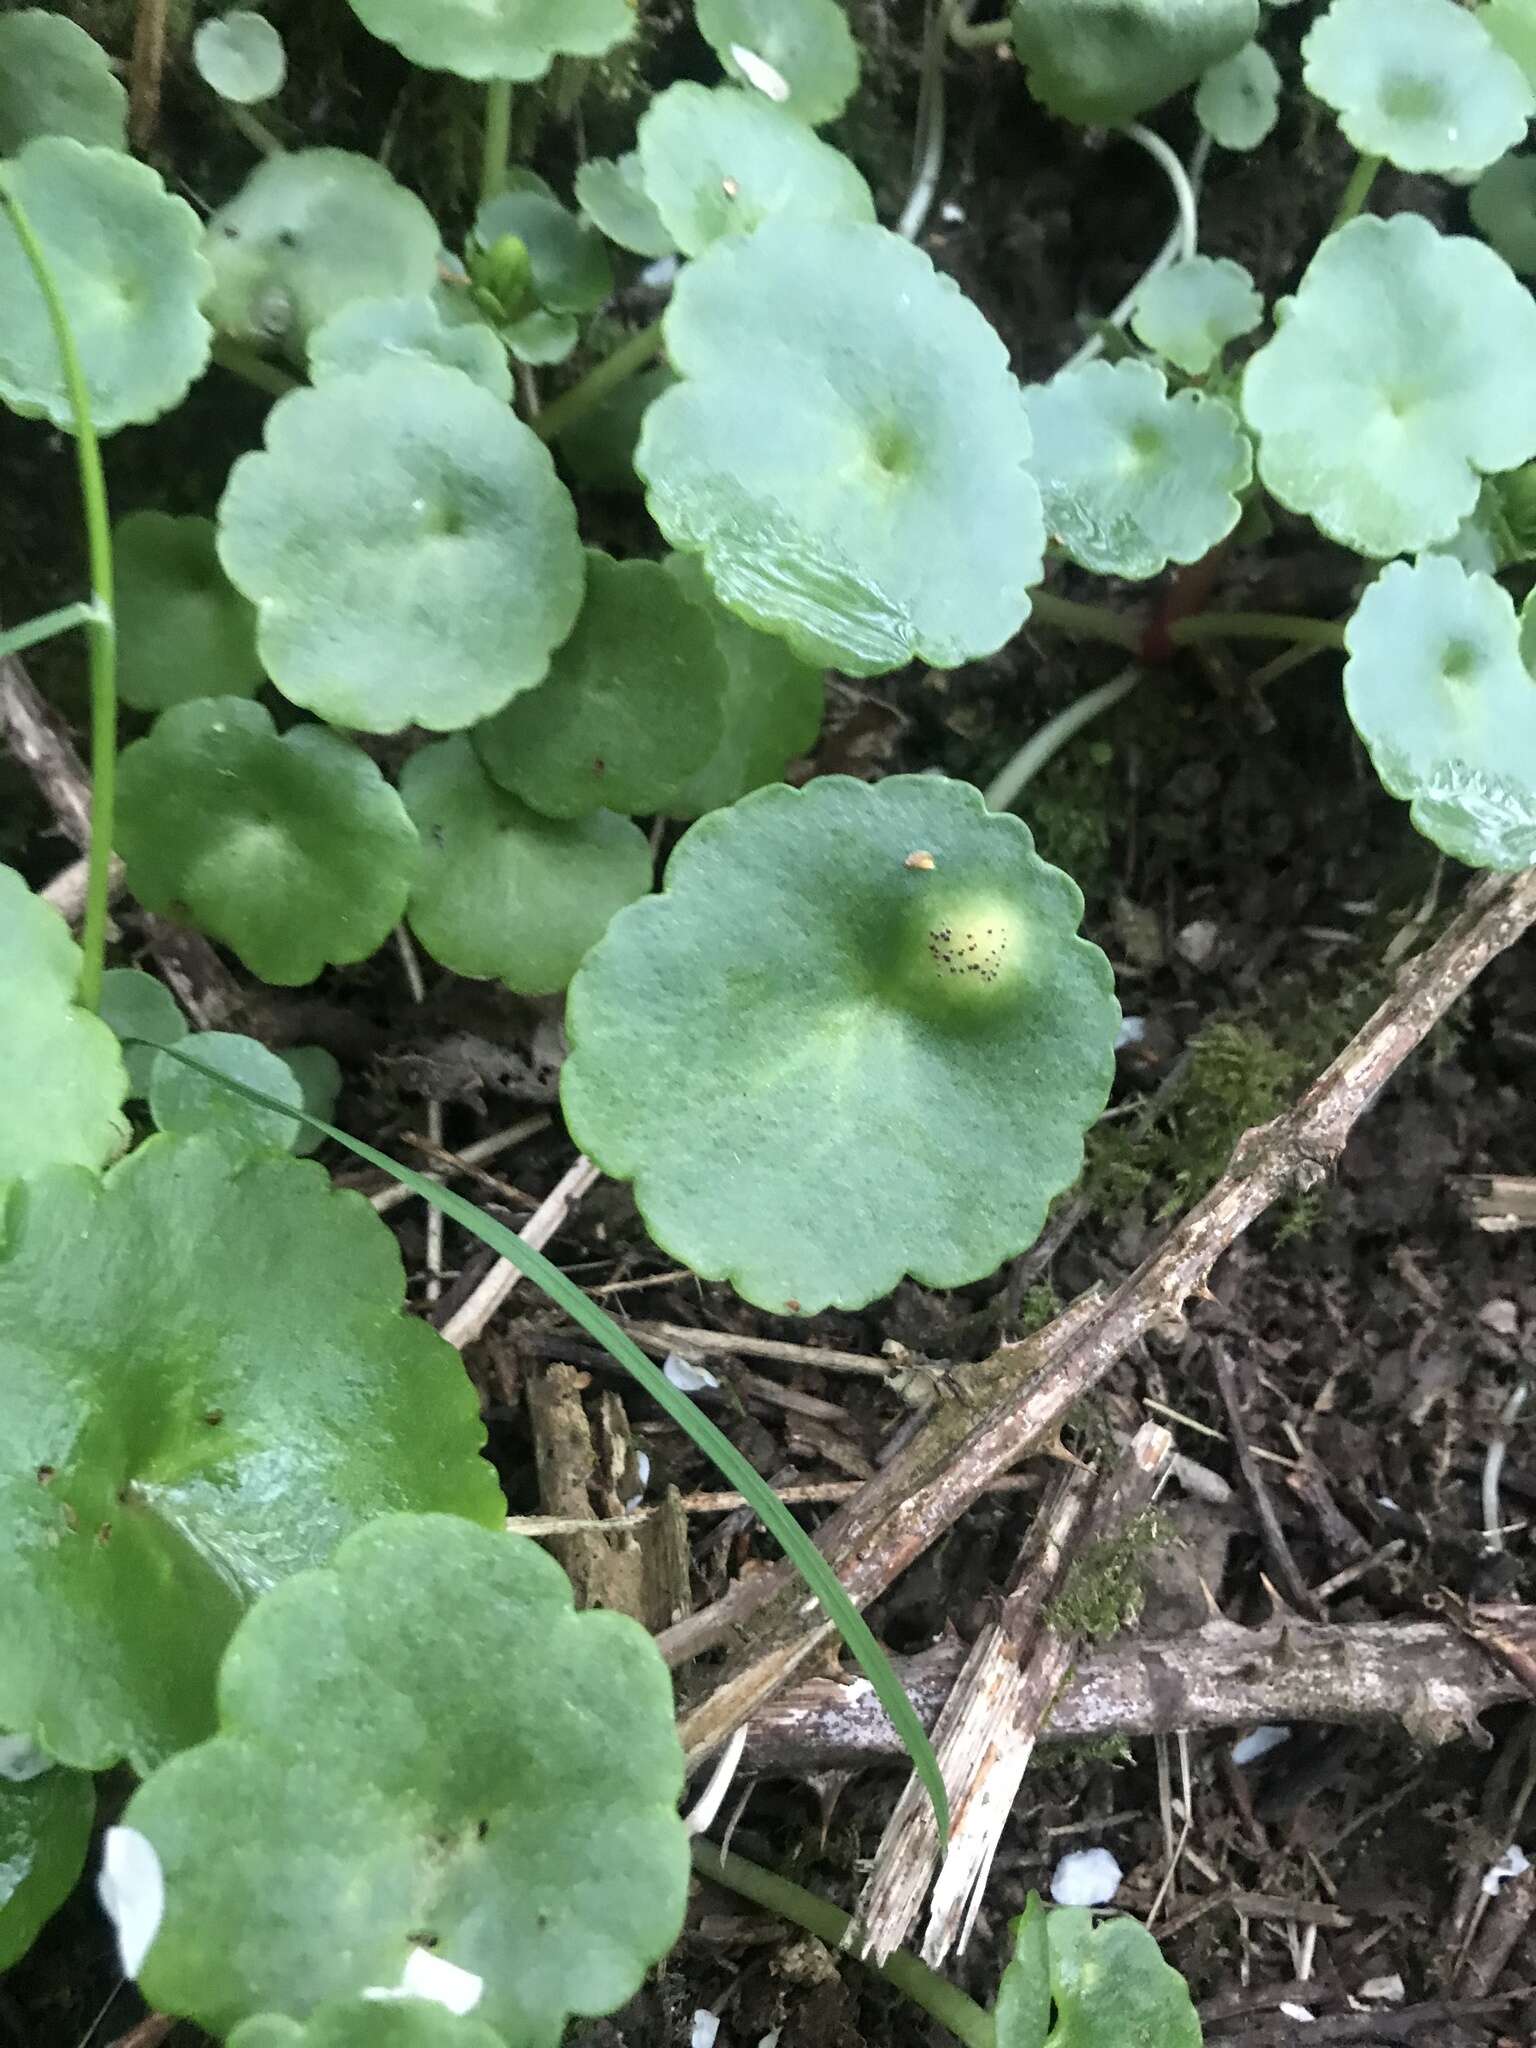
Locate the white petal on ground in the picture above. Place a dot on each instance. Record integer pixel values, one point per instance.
(1258, 1742)
(21, 1760)
(435, 1979)
(1088, 1877)
(1513, 1863)
(706, 2025)
(1298, 2012)
(684, 1374)
(643, 1478)
(131, 1887)
(759, 72)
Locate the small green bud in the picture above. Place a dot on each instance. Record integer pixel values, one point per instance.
(1517, 501)
(502, 276)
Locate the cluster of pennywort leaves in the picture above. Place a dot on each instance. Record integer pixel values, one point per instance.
(247, 1530)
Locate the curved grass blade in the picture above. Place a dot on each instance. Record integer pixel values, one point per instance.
(716, 1446)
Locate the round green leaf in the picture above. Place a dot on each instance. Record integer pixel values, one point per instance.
(370, 331)
(136, 1006)
(773, 706)
(1419, 82)
(184, 1102)
(632, 705)
(1190, 311)
(570, 271)
(800, 53)
(517, 39)
(847, 449)
(506, 894)
(292, 849)
(410, 551)
(611, 193)
(225, 1389)
(1133, 479)
(55, 80)
(307, 233)
(1238, 100)
(124, 255)
(1103, 62)
(722, 161)
(62, 1079)
(1399, 371)
(884, 1035)
(1503, 208)
(1437, 690)
(183, 630)
(424, 1747)
(1110, 1986)
(45, 1830)
(1512, 24)
(541, 338)
(367, 2023)
(241, 56)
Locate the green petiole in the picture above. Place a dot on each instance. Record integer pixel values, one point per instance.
(100, 625)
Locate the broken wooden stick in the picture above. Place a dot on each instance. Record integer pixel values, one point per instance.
(992, 1720)
(1014, 1402)
(1428, 1676)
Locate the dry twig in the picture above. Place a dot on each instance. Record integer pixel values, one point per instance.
(1015, 1401)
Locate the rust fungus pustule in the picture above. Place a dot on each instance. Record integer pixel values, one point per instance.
(962, 951)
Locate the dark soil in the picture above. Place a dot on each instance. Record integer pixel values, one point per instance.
(1247, 877)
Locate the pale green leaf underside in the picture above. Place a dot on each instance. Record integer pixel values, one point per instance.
(633, 702)
(1131, 478)
(423, 1746)
(773, 705)
(62, 1079)
(1503, 208)
(1437, 690)
(1400, 371)
(367, 2023)
(410, 551)
(1419, 82)
(1103, 62)
(370, 331)
(1238, 101)
(504, 893)
(1190, 311)
(517, 39)
(846, 449)
(292, 849)
(241, 56)
(45, 1830)
(55, 80)
(308, 232)
(183, 630)
(225, 1390)
(722, 162)
(881, 1038)
(611, 193)
(124, 256)
(806, 44)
